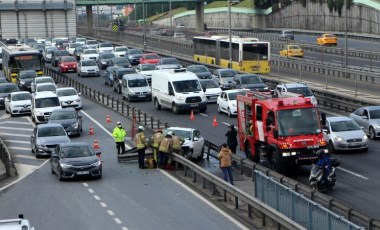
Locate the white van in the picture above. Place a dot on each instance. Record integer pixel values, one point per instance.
(177, 90)
(19, 224)
(135, 87)
(43, 104)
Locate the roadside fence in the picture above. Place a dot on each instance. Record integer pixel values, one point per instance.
(6, 158)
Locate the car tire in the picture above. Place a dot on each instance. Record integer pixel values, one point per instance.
(203, 109)
(105, 81)
(114, 88)
(6, 111)
(276, 164)
(52, 171)
(119, 89)
(175, 109)
(157, 104)
(59, 174)
(229, 112)
(372, 133)
(331, 147)
(12, 115)
(365, 150)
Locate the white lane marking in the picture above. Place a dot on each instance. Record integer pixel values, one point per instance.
(233, 220)
(26, 156)
(90, 190)
(5, 115)
(22, 177)
(20, 142)
(11, 128)
(101, 126)
(202, 114)
(110, 212)
(85, 184)
(124, 228)
(96, 197)
(226, 123)
(19, 148)
(352, 173)
(16, 122)
(14, 134)
(30, 121)
(117, 220)
(104, 205)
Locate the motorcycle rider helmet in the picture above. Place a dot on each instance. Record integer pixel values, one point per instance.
(321, 152)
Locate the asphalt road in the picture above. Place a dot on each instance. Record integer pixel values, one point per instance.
(125, 198)
(357, 183)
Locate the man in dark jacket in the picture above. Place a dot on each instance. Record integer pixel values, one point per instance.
(232, 138)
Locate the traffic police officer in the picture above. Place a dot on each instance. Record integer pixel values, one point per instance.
(119, 134)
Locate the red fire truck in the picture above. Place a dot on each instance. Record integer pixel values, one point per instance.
(280, 132)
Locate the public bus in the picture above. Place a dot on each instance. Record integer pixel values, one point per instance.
(248, 54)
(21, 57)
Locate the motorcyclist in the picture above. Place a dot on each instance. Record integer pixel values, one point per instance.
(324, 163)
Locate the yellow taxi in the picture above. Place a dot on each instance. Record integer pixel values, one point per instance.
(327, 39)
(292, 51)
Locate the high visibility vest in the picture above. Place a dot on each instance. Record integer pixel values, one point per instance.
(119, 134)
(157, 137)
(165, 145)
(140, 140)
(176, 143)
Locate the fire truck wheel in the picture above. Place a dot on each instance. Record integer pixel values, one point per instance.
(275, 162)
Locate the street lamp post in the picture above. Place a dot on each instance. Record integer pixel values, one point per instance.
(345, 34)
(144, 38)
(97, 15)
(171, 26)
(230, 35)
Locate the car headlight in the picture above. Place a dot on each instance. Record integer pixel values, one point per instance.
(180, 98)
(131, 91)
(1, 99)
(78, 99)
(39, 113)
(365, 138)
(103, 62)
(22, 82)
(75, 125)
(96, 164)
(97, 69)
(64, 166)
(266, 88)
(339, 139)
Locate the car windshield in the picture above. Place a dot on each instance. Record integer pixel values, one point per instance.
(107, 56)
(76, 151)
(92, 42)
(197, 69)
(301, 90)
(184, 134)
(341, 126)
(74, 45)
(49, 51)
(227, 73)
(120, 73)
(292, 122)
(148, 67)
(120, 61)
(89, 51)
(374, 114)
(232, 96)
(294, 47)
(137, 83)
(329, 36)
(29, 74)
(250, 79)
(186, 86)
(66, 92)
(47, 102)
(60, 53)
(209, 84)
(105, 45)
(151, 56)
(288, 32)
(89, 63)
(21, 97)
(134, 51)
(41, 88)
(51, 131)
(169, 61)
(69, 59)
(80, 39)
(62, 115)
(9, 88)
(44, 80)
(120, 49)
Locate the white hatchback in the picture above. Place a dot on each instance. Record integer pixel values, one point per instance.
(18, 103)
(227, 102)
(69, 97)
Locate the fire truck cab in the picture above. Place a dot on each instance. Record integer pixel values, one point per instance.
(279, 132)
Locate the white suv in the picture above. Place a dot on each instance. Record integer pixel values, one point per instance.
(193, 147)
(283, 90)
(43, 104)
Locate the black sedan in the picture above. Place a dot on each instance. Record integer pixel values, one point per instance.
(69, 119)
(134, 55)
(75, 160)
(25, 79)
(104, 60)
(201, 71)
(121, 61)
(252, 82)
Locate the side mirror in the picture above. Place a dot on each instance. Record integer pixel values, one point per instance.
(237, 81)
(80, 117)
(275, 133)
(326, 131)
(98, 153)
(79, 93)
(196, 138)
(269, 121)
(323, 121)
(362, 127)
(171, 93)
(204, 90)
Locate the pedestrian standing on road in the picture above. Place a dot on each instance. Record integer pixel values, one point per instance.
(141, 145)
(164, 149)
(225, 163)
(157, 137)
(232, 138)
(119, 134)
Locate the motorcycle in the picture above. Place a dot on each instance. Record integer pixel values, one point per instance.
(316, 175)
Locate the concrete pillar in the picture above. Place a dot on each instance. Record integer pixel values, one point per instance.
(199, 17)
(89, 20)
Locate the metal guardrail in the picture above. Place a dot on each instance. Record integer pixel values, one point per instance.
(6, 158)
(297, 207)
(246, 166)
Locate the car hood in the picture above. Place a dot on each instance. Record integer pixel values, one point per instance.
(226, 80)
(213, 91)
(68, 98)
(356, 134)
(53, 140)
(27, 80)
(24, 103)
(47, 109)
(69, 63)
(88, 67)
(151, 61)
(79, 161)
(106, 60)
(90, 55)
(135, 56)
(203, 75)
(141, 89)
(254, 87)
(65, 123)
(169, 66)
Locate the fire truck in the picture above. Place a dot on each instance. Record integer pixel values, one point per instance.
(279, 132)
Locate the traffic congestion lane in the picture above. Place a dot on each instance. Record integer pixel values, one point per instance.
(125, 196)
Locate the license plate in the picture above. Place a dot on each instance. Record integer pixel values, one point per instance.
(142, 96)
(25, 110)
(355, 144)
(83, 172)
(194, 105)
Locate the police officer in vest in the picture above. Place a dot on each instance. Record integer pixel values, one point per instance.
(177, 144)
(119, 134)
(157, 137)
(164, 149)
(141, 145)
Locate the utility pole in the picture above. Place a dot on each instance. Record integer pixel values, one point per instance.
(230, 35)
(345, 35)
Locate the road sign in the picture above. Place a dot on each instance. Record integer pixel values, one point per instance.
(115, 28)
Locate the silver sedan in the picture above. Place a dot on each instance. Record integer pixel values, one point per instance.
(369, 118)
(343, 133)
